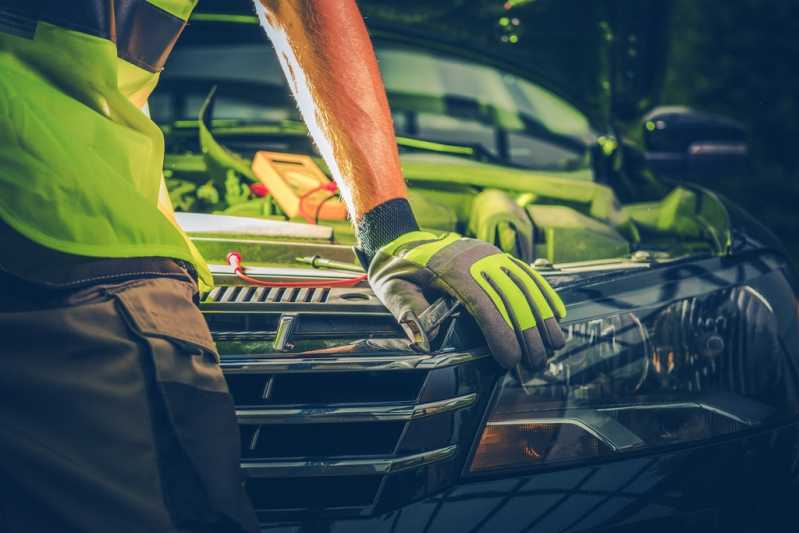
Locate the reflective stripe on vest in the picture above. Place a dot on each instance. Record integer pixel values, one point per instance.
(143, 32)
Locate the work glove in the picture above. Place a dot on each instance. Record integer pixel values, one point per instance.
(514, 306)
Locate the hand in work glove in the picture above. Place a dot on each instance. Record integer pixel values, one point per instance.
(515, 307)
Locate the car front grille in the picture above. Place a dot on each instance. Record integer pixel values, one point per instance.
(336, 413)
(244, 294)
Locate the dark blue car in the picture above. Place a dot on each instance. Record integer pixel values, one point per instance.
(531, 124)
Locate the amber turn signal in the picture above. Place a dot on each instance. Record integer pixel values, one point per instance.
(515, 444)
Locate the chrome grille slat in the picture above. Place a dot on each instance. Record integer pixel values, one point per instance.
(215, 293)
(243, 294)
(290, 295)
(226, 293)
(277, 365)
(363, 413)
(345, 467)
(260, 294)
(320, 296)
(305, 294)
(233, 293)
(243, 335)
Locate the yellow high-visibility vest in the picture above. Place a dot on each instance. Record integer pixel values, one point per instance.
(80, 163)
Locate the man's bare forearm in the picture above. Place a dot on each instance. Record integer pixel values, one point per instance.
(328, 59)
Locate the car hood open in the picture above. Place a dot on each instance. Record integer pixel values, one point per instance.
(606, 56)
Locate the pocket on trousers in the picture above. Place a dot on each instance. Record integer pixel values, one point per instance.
(194, 418)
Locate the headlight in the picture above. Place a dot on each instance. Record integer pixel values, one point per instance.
(696, 368)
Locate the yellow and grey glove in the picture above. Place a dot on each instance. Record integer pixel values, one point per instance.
(515, 307)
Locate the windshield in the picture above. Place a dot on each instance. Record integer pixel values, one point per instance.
(433, 96)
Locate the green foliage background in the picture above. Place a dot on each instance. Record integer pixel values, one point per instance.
(740, 58)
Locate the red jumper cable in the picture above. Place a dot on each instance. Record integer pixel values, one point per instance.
(330, 187)
(234, 260)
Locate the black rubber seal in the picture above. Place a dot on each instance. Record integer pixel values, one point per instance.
(382, 225)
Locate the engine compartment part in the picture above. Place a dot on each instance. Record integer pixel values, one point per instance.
(299, 187)
(567, 235)
(200, 223)
(235, 259)
(574, 218)
(498, 219)
(697, 216)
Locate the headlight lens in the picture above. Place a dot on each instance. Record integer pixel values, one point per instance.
(697, 368)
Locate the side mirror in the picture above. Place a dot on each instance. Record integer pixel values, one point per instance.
(691, 145)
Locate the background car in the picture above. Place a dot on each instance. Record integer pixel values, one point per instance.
(531, 125)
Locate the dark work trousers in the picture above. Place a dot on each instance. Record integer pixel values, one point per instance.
(114, 416)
